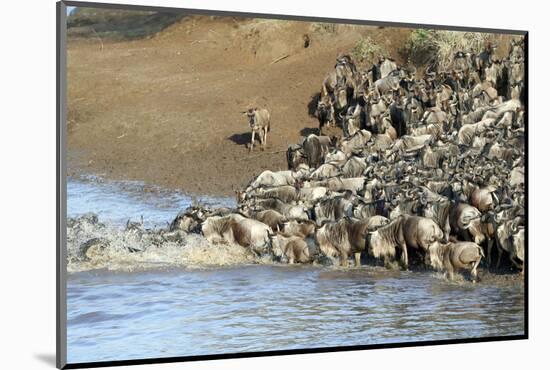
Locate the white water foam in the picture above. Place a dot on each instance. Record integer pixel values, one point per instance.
(92, 245)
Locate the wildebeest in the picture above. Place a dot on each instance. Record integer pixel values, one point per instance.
(387, 65)
(286, 193)
(398, 117)
(354, 167)
(334, 208)
(352, 184)
(355, 142)
(511, 239)
(325, 113)
(342, 239)
(315, 147)
(312, 194)
(191, 218)
(352, 121)
(461, 216)
(455, 256)
(412, 232)
(483, 198)
(468, 132)
(389, 82)
(259, 121)
(290, 211)
(271, 218)
(236, 229)
(295, 156)
(279, 178)
(326, 170)
(303, 229)
(291, 248)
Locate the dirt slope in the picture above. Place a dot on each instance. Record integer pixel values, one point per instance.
(167, 109)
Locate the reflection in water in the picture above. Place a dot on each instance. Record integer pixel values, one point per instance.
(117, 316)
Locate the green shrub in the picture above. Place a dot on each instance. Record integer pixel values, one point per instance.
(366, 50)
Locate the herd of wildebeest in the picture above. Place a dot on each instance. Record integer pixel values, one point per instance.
(429, 171)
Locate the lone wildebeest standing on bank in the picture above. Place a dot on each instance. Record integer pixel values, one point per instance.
(260, 122)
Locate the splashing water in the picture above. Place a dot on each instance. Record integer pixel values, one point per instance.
(101, 240)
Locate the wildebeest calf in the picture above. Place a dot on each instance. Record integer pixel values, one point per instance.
(290, 248)
(453, 257)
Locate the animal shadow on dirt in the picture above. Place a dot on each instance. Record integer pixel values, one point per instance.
(306, 131)
(241, 139)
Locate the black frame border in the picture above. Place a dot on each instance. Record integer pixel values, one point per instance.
(61, 206)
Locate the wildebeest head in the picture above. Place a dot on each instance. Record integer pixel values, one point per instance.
(433, 256)
(251, 114)
(324, 107)
(378, 247)
(276, 243)
(341, 96)
(240, 195)
(295, 155)
(362, 84)
(188, 220)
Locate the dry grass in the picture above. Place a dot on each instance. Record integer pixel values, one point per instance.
(429, 46)
(323, 27)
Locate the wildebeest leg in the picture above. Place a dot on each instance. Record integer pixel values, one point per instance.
(451, 274)
(344, 259)
(473, 272)
(515, 263)
(265, 137)
(261, 137)
(404, 257)
(252, 141)
(254, 252)
(499, 256)
(449, 268)
(489, 250)
(522, 268)
(357, 259)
